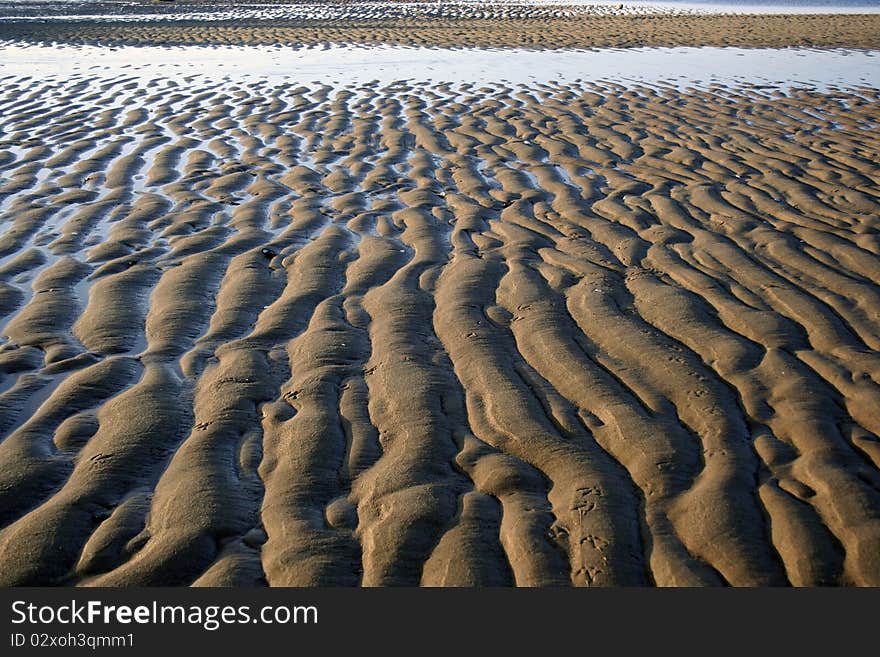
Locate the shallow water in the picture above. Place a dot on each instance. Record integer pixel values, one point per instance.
(352, 64)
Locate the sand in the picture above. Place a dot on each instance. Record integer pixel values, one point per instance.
(565, 333)
(439, 25)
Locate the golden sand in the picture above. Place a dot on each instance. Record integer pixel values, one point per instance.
(437, 334)
(821, 31)
(257, 332)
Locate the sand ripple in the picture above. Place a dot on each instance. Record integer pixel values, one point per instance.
(256, 332)
(440, 25)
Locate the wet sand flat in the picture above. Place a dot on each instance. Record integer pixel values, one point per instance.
(261, 332)
(444, 26)
(329, 315)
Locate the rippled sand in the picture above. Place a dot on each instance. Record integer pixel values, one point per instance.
(433, 24)
(262, 332)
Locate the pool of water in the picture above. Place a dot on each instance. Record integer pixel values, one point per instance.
(351, 64)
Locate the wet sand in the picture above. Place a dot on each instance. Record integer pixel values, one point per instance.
(442, 334)
(261, 330)
(447, 26)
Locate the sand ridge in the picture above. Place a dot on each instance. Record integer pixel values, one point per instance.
(441, 334)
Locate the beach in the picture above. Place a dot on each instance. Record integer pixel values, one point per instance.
(441, 25)
(409, 299)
